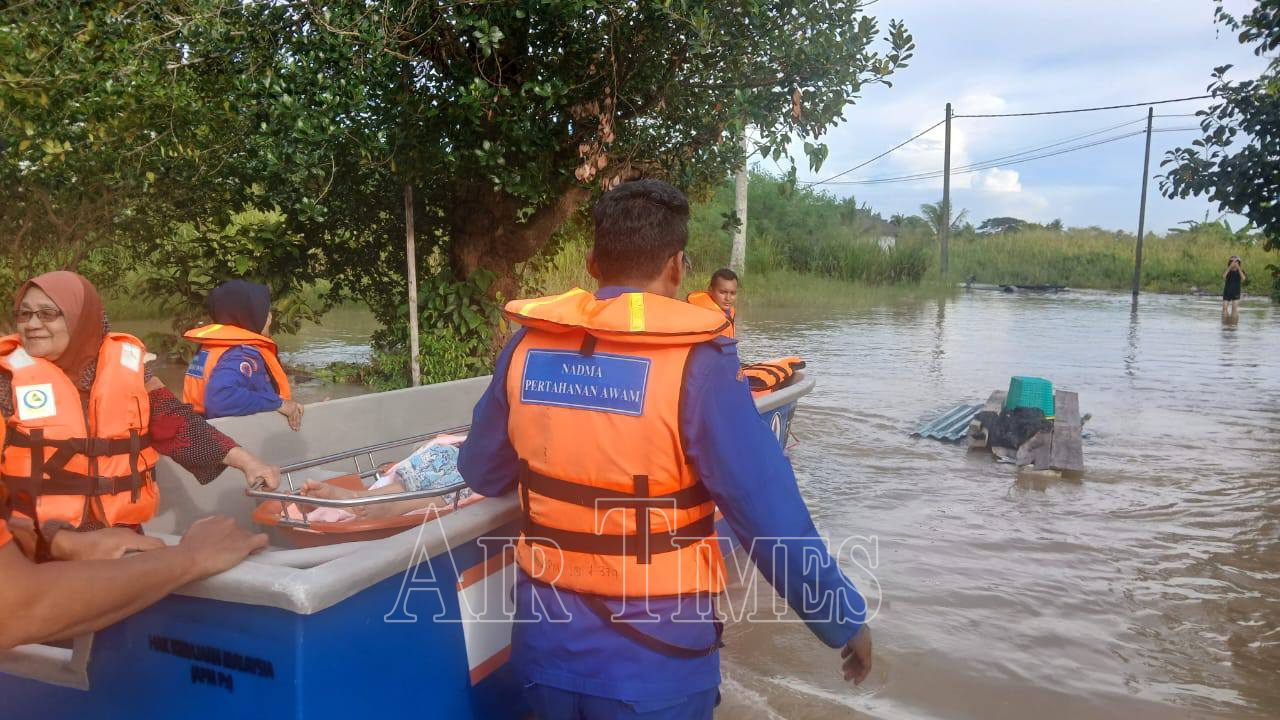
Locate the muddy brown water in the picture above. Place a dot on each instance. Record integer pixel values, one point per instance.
(1148, 589)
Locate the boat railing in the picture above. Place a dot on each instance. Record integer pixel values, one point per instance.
(295, 497)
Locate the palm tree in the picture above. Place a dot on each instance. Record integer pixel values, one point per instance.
(932, 213)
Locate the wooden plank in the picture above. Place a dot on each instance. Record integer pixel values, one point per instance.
(1067, 452)
(1036, 451)
(978, 436)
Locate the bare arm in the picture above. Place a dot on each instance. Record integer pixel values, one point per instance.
(63, 599)
(51, 601)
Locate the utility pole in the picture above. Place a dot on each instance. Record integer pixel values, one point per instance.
(415, 372)
(738, 257)
(944, 232)
(1142, 208)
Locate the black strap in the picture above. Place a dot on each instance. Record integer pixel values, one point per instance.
(525, 472)
(645, 551)
(658, 645)
(135, 476)
(588, 345)
(65, 482)
(593, 497)
(28, 497)
(90, 447)
(596, 544)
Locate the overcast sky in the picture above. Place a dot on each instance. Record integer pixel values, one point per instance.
(996, 56)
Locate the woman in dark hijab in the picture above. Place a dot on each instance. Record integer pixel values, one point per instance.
(237, 370)
(67, 384)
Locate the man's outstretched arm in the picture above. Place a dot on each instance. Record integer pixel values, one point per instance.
(57, 600)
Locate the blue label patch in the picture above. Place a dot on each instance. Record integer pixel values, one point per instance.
(196, 368)
(601, 382)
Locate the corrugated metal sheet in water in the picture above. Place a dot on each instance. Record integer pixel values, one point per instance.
(950, 425)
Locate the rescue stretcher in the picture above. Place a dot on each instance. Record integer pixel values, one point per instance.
(300, 531)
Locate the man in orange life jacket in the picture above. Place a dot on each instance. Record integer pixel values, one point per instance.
(59, 600)
(625, 398)
(721, 295)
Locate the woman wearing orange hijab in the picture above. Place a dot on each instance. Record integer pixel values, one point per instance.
(85, 420)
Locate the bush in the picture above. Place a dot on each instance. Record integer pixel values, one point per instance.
(457, 322)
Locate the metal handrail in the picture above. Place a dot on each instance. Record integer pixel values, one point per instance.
(295, 497)
(356, 501)
(368, 450)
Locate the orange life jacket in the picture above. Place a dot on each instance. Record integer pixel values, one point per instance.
(702, 298)
(61, 464)
(215, 339)
(611, 505)
(771, 374)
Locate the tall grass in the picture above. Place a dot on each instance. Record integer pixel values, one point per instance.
(1089, 259)
(767, 283)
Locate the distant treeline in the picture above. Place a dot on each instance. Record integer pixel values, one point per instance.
(812, 232)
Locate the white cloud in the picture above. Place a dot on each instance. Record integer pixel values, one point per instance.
(1004, 56)
(997, 180)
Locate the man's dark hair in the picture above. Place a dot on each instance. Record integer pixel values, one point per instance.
(638, 226)
(723, 274)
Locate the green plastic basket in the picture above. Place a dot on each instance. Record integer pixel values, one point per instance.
(1030, 392)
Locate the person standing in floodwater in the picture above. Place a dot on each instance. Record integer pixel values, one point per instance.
(1233, 277)
(721, 295)
(621, 421)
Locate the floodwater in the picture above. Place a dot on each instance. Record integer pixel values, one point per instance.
(1148, 589)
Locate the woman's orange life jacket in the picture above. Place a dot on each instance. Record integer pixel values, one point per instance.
(215, 339)
(703, 299)
(770, 375)
(611, 504)
(60, 463)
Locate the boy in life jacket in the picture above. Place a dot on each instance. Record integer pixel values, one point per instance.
(619, 420)
(237, 369)
(721, 294)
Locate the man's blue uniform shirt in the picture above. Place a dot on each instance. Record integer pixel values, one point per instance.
(740, 462)
(240, 384)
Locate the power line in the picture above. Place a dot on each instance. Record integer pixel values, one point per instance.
(1087, 109)
(990, 164)
(859, 166)
(886, 152)
(1062, 142)
(1038, 148)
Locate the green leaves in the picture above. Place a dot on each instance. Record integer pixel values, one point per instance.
(1236, 161)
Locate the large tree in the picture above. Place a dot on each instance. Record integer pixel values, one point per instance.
(503, 117)
(1236, 161)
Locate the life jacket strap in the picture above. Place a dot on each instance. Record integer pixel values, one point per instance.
(639, 546)
(65, 482)
(656, 644)
(89, 447)
(603, 498)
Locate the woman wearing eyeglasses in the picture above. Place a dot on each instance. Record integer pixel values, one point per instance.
(85, 421)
